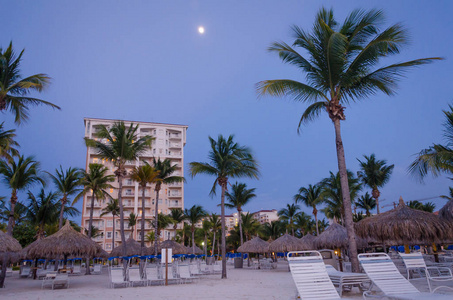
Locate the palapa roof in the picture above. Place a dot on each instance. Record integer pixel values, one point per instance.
(287, 243)
(177, 248)
(404, 225)
(65, 241)
(8, 243)
(446, 212)
(197, 250)
(309, 240)
(255, 245)
(336, 236)
(132, 248)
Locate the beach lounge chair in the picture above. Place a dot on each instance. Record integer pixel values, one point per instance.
(135, 277)
(347, 280)
(60, 280)
(97, 269)
(184, 274)
(310, 276)
(48, 280)
(24, 271)
(76, 270)
(385, 276)
(415, 262)
(152, 276)
(117, 278)
(9, 272)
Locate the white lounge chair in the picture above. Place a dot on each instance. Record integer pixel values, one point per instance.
(9, 272)
(385, 276)
(25, 271)
(152, 276)
(310, 276)
(97, 269)
(117, 277)
(415, 262)
(61, 280)
(76, 270)
(347, 280)
(184, 274)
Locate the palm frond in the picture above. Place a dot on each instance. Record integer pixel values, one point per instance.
(284, 87)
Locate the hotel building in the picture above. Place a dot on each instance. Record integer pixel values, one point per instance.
(169, 141)
(266, 216)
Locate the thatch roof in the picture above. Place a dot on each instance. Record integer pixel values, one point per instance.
(287, 243)
(336, 236)
(446, 212)
(177, 248)
(255, 245)
(8, 243)
(132, 248)
(66, 241)
(197, 250)
(309, 241)
(404, 225)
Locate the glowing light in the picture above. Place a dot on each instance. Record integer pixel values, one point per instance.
(200, 29)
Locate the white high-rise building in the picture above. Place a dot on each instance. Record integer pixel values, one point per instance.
(169, 141)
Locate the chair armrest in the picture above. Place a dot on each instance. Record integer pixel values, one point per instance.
(441, 271)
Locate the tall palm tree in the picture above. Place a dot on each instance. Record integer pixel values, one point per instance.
(429, 206)
(132, 221)
(163, 221)
(177, 216)
(367, 203)
(239, 197)
(20, 211)
(144, 175)
(206, 228)
(113, 208)
(311, 196)
(287, 215)
(227, 159)
(437, 159)
(342, 65)
(120, 143)
(374, 174)
(42, 210)
(7, 143)
(14, 89)
(250, 226)
(216, 224)
(272, 230)
(67, 184)
(193, 216)
(303, 221)
(165, 176)
(19, 174)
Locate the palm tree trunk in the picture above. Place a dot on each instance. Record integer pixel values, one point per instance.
(156, 213)
(120, 202)
(240, 226)
(316, 221)
(348, 222)
(11, 220)
(193, 239)
(142, 233)
(213, 244)
(205, 246)
(4, 266)
(63, 204)
(223, 238)
(113, 234)
(292, 226)
(90, 226)
(375, 193)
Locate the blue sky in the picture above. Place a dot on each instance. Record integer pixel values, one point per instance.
(146, 61)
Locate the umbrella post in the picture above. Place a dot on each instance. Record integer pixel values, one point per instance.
(35, 269)
(406, 249)
(340, 259)
(436, 255)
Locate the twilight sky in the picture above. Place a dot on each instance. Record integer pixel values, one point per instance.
(146, 61)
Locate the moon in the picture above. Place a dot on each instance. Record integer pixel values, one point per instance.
(201, 30)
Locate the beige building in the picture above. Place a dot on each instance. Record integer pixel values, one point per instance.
(266, 216)
(169, 142)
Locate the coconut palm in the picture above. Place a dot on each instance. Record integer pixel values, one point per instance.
(14, 89)
(287, 215)
(93, 232)
(429, 206)
(132, 221)
(272, 230)
(67, 184)
(113, 208)
(302, 221)
(144, 175)
(437, 159)
(227, 159)
(42, 210)
(216, 224)
(311, 197)
(193, 216)
(177, 216)
(119, 144)
(250, 226)
(7, 143)
(163, 221)
(166, 176)
(374, 174)
(367, 203)
(19, 174)
(205, 228)
(150, 237)
(342, 65)
(20, 211)
(239, 197)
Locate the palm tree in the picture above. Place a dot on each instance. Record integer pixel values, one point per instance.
(303, 221)
(150, 237)
(436, 159)
(227, 159)
(93, 232)
(42, 210)
(311, 196)
(19, 175)
(120, 144)
(272, 230)
(216, 224)
(144, 175)
(163, 221)
(112, 208)
(206, 228)
(14, 89)
(67, 184)
(374, 174)
(94, 181)
(20, 211)
(7, 143)
(165, 176)
(177, 216)
(429, 206)
(239, 198)
(287, 215)
(132, 221)
(193, 216)
(341, 68)
(250, 226)
(367, 203)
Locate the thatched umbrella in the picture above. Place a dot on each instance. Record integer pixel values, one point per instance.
(446, 212)
(287, 243)
(196, 248)
(8, 247)
(336, 237)
(255, 245)
(176, 247)
(404, 225)
(308, 240)
(132, 248)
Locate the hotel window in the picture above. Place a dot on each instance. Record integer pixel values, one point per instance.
(108, 246)
(95, 160)
(111, 191)
(154, 151)
(109, 223)
(109, 234)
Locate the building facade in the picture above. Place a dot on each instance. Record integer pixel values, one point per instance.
(169, 141)
(266, 216)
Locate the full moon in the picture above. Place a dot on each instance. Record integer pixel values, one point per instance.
(201, 29)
